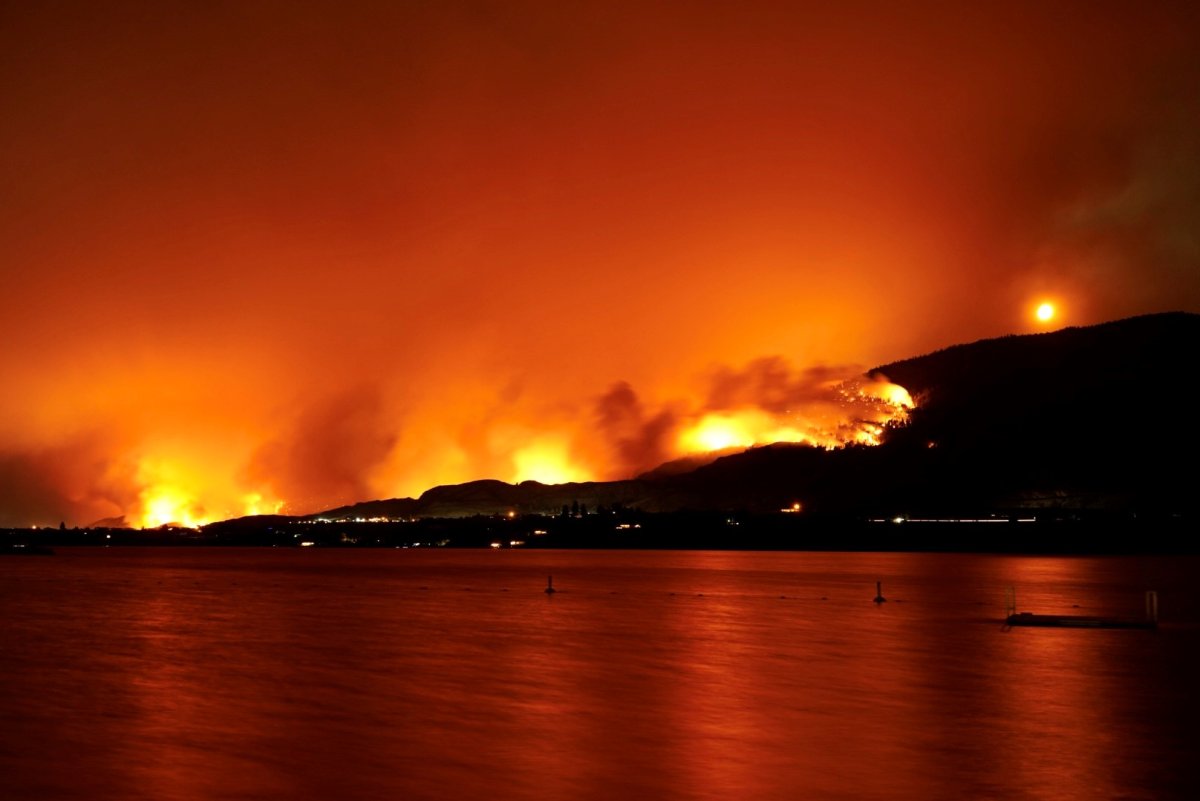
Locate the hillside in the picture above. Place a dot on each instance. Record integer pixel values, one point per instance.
(1082, 418)
(496, 497)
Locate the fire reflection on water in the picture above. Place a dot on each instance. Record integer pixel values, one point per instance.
(311, 674)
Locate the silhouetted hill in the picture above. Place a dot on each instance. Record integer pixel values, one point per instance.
(490, 497)
(686, 464)
(1078, 419)
(111, 522)
(1071, 360)
(1082, 418)
(1117, 384)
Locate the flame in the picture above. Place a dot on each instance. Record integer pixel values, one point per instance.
(857, 411)
(174, 505)
(863, 412)
(718, 431)
(546, 461)
(179, 492)
(893, 394)
(165, 505)
(254, 503)
(201, 475)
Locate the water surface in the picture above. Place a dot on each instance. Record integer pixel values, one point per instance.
(440, 674)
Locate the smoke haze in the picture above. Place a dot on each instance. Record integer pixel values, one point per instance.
(276, 255)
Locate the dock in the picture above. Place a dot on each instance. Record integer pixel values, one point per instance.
(1014, 618)
(1077, 621)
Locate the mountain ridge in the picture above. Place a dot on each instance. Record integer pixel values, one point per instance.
(1013, 422)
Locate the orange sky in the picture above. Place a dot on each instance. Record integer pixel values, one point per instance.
(321, 252)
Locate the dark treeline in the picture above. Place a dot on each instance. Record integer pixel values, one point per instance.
(1070, 534)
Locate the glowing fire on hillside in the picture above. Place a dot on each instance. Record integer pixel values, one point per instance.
(857, 412)
(762, 404)
(362, 444)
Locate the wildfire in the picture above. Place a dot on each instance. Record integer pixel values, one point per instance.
(178, 493)
(893, 394)
(547, 462)
(163, 506)
(190, 482)
(860, 413)
(254, 504)
(716, 432)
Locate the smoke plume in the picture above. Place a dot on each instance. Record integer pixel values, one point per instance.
(329, 454)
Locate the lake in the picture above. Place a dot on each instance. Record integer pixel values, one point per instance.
(211, 673)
